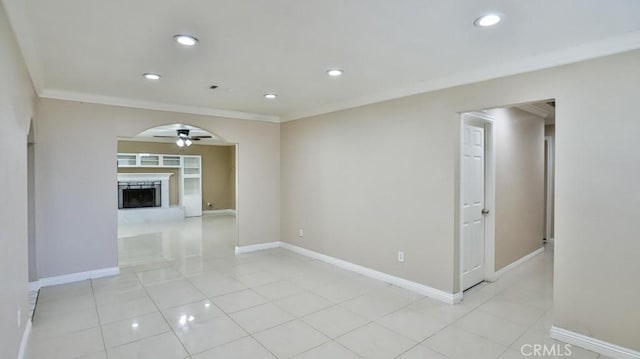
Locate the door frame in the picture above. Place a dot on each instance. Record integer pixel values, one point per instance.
(548, 142)
(486, 121)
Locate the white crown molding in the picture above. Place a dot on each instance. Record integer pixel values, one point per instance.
(593, 344)
(513, 265)
(613, 45)
(73, 277)
(34, 286)
(151, 105)
(25, 339)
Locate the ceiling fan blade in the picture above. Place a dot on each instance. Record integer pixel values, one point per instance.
(199, 137)
(165, 136)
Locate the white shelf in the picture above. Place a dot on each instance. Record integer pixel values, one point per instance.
(149, 160)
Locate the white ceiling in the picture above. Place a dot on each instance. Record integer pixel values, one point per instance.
(96, 51)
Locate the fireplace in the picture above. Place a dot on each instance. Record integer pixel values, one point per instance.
(143, 190)
(139, 194)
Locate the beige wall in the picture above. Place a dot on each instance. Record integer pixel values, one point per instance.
(337, 170)
(17, 103)
(519, 166)
(76, 235)
(218, 170)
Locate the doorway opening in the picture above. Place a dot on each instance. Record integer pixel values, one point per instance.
(177, 197)
(506, 188)
(31, 205)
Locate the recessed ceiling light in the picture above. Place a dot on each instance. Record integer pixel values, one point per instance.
(487, 20)
(335, 72)
(151, 76)
(270, 96)
(186, 40)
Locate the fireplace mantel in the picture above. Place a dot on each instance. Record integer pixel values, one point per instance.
(147, 177)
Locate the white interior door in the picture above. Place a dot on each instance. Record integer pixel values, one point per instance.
(473, 206)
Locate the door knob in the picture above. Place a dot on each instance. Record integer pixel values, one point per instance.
(485, 211)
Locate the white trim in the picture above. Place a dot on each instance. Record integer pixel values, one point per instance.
(34, 286)
(131, 177)
(509, 267)
(25, 339)
(613, 45)
(151, 105)
(368, 272)
(219, 212)
(593, 344)
(256, 247)
(73, 277)
(371, 273)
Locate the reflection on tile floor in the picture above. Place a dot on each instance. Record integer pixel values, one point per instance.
(190, 297)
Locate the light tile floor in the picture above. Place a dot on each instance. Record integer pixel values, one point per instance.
(182, 293)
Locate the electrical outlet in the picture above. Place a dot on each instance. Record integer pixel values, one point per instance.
(400, 256)
(19, 318)
(300, 232)
(209, 204)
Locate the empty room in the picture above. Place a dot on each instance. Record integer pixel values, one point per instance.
(319, 179)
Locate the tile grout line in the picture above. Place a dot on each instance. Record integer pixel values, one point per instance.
(163, 317)
(233, 320)
(269, 301)
(95, 302)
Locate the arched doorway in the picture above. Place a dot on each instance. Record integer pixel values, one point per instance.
(177, 198)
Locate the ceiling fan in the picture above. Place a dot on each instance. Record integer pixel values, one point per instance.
(183, 138)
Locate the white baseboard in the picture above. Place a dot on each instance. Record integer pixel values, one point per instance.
(256, 247)
(73, 277)
(593, 344)
(371, 273)
(219, 212)
(25, 339)
(509, 267)
(397, 281)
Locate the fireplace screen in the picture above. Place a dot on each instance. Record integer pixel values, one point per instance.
(139, 194)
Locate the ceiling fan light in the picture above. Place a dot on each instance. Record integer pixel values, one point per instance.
(188, 142)
(180, 142)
